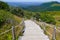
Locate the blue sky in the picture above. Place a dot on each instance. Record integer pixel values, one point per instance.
(29, 0)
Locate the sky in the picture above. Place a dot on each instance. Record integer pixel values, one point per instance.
(29, 0)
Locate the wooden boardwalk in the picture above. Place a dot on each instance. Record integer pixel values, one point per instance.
(33, 32)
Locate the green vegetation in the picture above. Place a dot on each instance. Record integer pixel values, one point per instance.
(8, 13)
(47, 18)
(49, 6)
(55, 15)
(9, 18)
(5, 20)
(4, 5)
(17, 11)
(41, 16)
(49, 13)
(4, 16)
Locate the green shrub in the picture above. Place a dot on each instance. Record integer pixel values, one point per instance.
(4, 15)
(4, 5)
(17, 11)
(47, 18)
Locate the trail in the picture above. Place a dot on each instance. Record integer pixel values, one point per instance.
(33, 32)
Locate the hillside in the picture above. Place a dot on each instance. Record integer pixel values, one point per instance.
(52, 8)
(49, 6)
(8, 18)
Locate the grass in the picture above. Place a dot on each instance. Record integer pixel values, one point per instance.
(6, 36)
(56, 15)
(58, 23)
(18, 19)
(49, 31)
(57, 35)
(7, 26)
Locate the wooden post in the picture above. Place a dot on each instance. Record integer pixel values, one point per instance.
(32, 18)
(44, 27)
(23, 22)
(13, 33)
(54, 34)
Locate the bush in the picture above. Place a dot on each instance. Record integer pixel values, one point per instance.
(4, 15)
(4, 5)
(17, 11)
(47, 18)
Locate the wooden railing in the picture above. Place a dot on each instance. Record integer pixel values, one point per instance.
(13, 30)
(43, 26)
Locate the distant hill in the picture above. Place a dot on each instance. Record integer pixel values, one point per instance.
(49, 6)
(23, 4)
